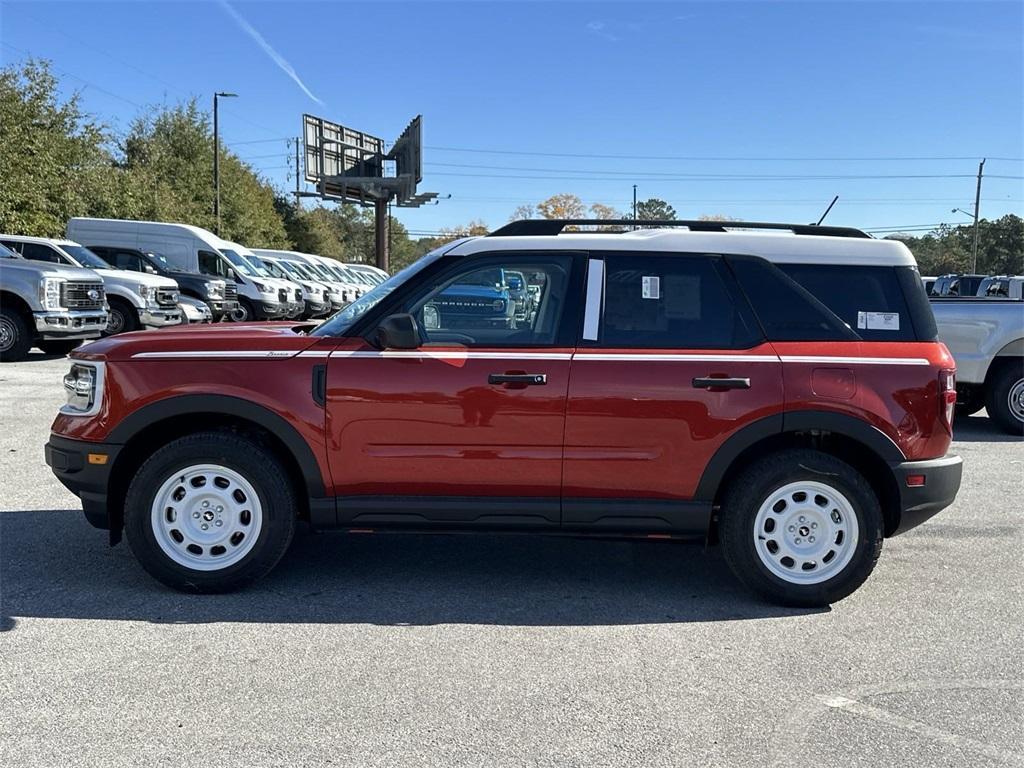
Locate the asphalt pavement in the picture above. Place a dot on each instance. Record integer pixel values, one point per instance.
(503, 650)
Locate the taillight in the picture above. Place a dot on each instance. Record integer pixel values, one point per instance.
(947, 396)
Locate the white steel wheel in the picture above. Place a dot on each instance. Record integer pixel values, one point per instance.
(206, 517)
(805, 532)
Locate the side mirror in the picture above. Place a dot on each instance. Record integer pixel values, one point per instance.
(398, 332)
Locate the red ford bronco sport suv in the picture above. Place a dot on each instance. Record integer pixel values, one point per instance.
(777, 388)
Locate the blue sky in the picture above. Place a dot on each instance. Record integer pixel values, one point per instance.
(700, 101)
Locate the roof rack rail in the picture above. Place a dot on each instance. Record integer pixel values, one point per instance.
(541, 227)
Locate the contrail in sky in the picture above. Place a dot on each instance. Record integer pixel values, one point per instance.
(268, 49)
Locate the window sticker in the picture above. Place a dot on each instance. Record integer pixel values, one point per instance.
(651, 287)
(878, 321)
(682, 297)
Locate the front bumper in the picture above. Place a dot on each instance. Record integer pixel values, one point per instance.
(76, 463)
(221, 307)
(159, 318)
(71, 324)
(941, 481)
(316, 308)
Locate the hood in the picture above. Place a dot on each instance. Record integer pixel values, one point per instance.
(136, 278)
(196, 343)
(46, 269)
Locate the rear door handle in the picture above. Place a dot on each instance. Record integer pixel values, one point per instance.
(518, 378)
(710, 382)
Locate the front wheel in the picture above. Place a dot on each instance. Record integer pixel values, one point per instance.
(123, 318)
(15, 340)
(244, 312)
(1005, 396)
(801, 528)
(210, 512)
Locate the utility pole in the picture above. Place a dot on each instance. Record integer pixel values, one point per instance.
(634, 206)
(216, 161)
(977, 202)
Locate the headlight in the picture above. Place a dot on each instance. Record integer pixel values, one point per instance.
(263, 287)
(49, 292)
(83, 386)
(215, 289)
(144, 291)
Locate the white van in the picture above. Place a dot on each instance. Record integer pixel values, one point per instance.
(247, 262)
(317, 294)
(191, 249)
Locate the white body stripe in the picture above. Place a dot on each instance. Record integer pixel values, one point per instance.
(855, 360)
(447, 354)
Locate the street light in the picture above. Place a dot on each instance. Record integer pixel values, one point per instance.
(216, 159)
(961, 210)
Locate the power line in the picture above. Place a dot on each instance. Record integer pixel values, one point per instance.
(890, 158)
(714, 177)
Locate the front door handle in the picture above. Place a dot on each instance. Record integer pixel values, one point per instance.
(522, 379)
(712, 383)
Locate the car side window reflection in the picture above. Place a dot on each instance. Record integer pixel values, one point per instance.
(502, 302)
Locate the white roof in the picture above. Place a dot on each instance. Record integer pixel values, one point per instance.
(31, 239)
(782, 247)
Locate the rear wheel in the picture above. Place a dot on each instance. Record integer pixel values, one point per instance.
(801, 528)
(59, 346)
(1005, 396)
(210, 512)
(14, 336)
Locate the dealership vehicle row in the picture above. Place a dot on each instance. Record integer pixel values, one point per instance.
(156, 275)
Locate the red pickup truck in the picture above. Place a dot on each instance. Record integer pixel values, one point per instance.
(776, 388)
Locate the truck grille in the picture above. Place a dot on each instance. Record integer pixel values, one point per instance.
(167, 297)
(82, 295)
(230, 291)
(469, 306)
(282, 294)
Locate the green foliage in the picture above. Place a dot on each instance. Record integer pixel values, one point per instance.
(949, 248)
(654, 209)
(54, 161)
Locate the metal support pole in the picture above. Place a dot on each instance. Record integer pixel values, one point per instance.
(216, 170)
(634, 206)
(977, 202)
(380, 231)
(298, 188)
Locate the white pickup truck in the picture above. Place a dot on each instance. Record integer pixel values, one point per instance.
(986, 338)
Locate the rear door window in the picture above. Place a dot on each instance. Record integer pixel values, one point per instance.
(673, 301)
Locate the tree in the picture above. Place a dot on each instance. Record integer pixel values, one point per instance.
(654, 209)
(54, 160)
(716, 217)
(523, 212)
(562, 206)
(949, 248)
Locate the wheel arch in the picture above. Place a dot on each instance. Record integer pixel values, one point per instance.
(858, 443)
(146, 429)
(13, 300)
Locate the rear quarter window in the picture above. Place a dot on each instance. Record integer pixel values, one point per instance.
(873, 301)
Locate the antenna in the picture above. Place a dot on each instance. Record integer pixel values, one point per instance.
(818, 224)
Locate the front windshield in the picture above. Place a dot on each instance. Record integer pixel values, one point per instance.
(161, 260)
(346, 318)
(85, 257)
(238, 262)
(272, 268)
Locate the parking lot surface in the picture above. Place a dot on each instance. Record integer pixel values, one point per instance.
(503, 650)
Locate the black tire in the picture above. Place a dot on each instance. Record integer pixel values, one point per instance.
(242, 455)
(754, 486)
(969, 401)
(123, 317)
(15, 340)
(245, 313)
(1007, 383)
(59, 346)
